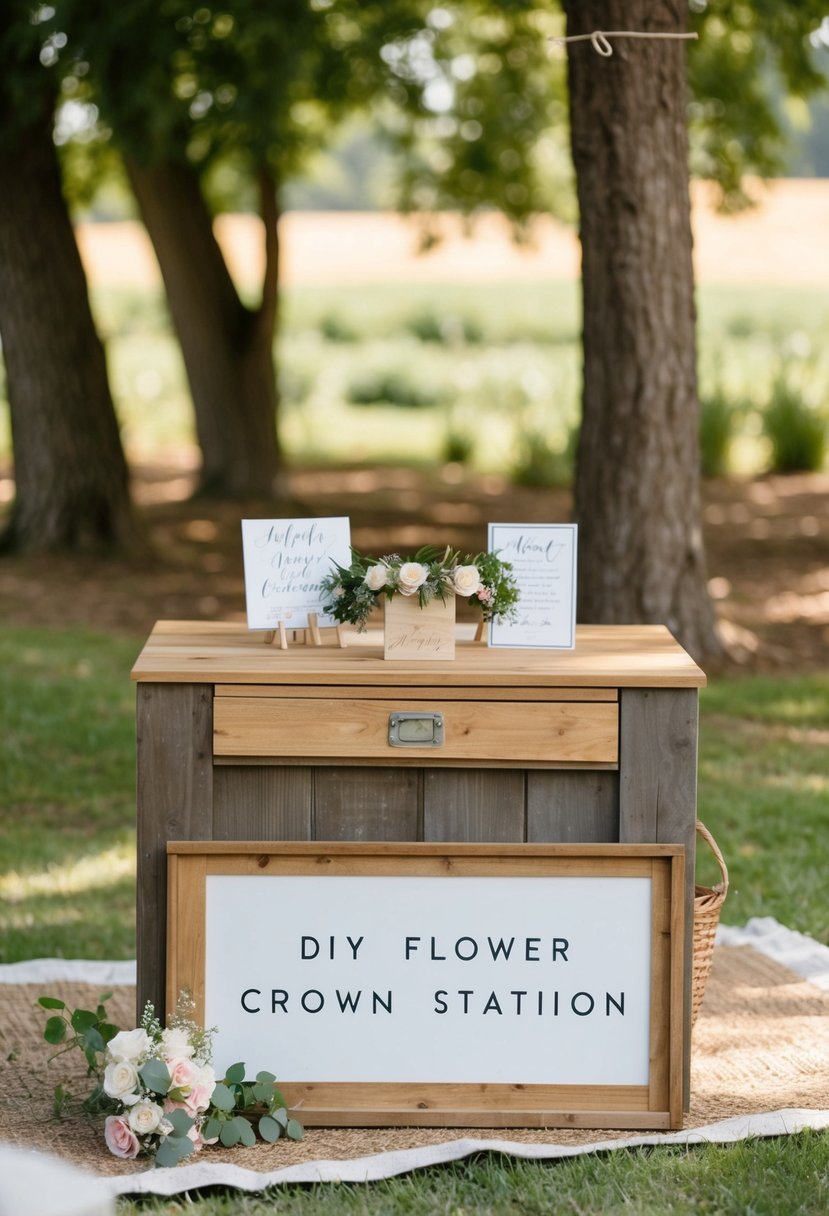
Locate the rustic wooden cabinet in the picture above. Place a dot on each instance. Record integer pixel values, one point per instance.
(240, 741)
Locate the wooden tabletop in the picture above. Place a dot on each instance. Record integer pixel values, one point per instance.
(621, 656)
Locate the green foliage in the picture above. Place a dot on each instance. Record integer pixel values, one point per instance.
(542, 463)
(446, 328)
(84, 1030)
(718, 416)
(795, 426)
(735, 128)
(394, 387)
(335, 329)
(238, 1105)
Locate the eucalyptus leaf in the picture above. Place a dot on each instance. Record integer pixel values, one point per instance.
(156, 1076)
(55, 1030)
(281, 1116)
(262, 1092)
(94, 1039)
(269, 1129)
(246, 1132)
(295, 1130)
(82, 1019)
(222, 1097)
(173, 1149)
(107, 1031)
(235, 1074)
(180, 1121)
(51, 1002)
(265, 1078)
(211, 1128)
(105, 996)
(229, 1134)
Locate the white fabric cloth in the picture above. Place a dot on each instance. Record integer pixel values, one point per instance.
(799, 953)
(387, 1165)
(74, 970)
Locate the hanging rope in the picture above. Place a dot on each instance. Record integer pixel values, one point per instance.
(600, 39)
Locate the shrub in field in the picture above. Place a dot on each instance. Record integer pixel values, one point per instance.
(394, 387)
(335, 328)
(543, 464)
(458, 446)
(717, 420)
(446, 328)
(795, 426)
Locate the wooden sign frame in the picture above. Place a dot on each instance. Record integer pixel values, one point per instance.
(657, 1104)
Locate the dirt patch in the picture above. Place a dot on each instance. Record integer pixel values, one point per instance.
(767, 543)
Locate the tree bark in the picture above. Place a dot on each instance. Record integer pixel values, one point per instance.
(71, 489)
(227, 347)
(637, 493)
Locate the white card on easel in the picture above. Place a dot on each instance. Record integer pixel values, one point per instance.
(543, 560)
(285, 560)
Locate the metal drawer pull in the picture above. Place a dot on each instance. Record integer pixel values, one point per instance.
(413, 729)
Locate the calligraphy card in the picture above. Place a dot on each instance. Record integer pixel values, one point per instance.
(543, 560)
(285, 560)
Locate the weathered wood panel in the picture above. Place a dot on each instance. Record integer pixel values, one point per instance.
(474, 805)
(174, 742)
(366, 804)
(572, 806)
(658, 790)
(263, 802)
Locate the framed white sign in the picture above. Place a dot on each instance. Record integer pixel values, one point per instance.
(285, 559)
(440, 983)
(543, 559)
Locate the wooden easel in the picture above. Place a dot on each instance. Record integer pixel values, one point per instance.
(311, 635)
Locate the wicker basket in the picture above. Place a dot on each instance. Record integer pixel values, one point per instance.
(707, 904)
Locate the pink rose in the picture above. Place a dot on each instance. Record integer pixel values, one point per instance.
(183, 1072)
(198, 1098)
(120, 1139)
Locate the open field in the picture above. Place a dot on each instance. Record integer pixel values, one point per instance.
(778, 241)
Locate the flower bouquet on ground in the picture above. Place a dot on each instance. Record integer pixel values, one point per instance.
(157, 1086)
(486, 581)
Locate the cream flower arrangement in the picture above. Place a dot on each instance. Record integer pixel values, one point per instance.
(486, 581)
(157, 1086)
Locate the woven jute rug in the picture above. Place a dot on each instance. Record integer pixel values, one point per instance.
(761, 1044)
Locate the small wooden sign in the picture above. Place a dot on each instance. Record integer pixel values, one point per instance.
(440, 984)
(412, 632)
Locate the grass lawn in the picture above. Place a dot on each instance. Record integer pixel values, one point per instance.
(67, 889)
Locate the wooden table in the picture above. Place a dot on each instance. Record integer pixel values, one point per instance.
(241, 741)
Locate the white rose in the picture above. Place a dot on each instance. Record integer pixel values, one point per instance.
(466, 580)
(145, 1117)
(120, 1079)
(129, 1044)
(412, 575)
(175, 1044)
(376, 577)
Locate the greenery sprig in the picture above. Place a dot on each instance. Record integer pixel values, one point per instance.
(353, 592)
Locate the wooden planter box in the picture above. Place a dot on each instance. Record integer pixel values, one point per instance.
(412, 632)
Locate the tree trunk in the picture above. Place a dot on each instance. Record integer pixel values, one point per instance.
(227, 348)
(71, 477)
(641, 556)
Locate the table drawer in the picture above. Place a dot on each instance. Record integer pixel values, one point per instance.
(568, 732)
